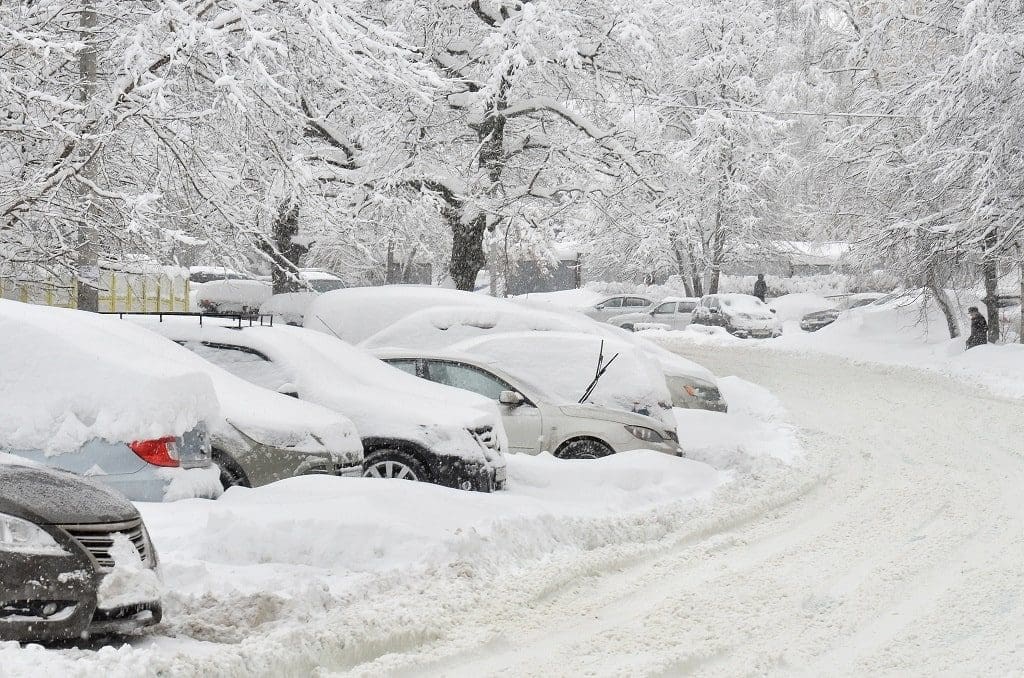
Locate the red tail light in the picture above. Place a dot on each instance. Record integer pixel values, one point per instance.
(159, 452)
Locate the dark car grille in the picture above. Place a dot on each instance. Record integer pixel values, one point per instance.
(485, 434)
(98, 539)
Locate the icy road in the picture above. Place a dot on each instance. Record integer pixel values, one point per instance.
(898, 550)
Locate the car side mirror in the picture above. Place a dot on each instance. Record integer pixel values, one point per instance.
(511, 398)
(288, 390)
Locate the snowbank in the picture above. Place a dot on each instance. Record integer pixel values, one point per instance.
(67, 377)
(566, 299)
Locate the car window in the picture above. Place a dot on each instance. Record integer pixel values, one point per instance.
(466, 377)
(668, 307)
(687, 306)
(244, 363)
(404, 364)
(711, 302)
(614, 302)
(322, 285)
(637, 302)
(857, 303)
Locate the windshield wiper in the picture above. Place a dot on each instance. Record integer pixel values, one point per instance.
(602, 367)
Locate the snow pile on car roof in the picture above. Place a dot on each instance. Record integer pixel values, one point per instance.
(67, 377)
(743, 303)
(357, 313)
(248, 293)
(576, 300)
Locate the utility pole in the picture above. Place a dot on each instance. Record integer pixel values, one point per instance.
(88, 273)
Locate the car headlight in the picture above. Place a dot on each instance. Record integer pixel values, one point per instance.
(648, 435)
(21, 536)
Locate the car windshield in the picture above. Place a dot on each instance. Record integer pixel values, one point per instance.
(326, 284)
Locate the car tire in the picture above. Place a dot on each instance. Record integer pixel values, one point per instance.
(583, 448)
(231, 474)
(628, 327)
(394, 464)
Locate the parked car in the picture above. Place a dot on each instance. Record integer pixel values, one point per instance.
(741, 315)
(812, 322)
(672, 313)
(246, 295)
(261, 437)
(97, 399)
(618, 304)
(409, 429)
(430, 324)
(321, 280)
(537, 421)
(60, 536)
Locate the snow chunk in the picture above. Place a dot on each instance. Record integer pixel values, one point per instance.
(130, 582)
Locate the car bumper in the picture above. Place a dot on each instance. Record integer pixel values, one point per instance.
(467, 475)
(52, 598)
(755, 333)
(666, 447)
(814, 326)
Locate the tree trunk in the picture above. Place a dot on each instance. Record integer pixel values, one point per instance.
(945, 305)
(283, 250)
(88, 261)
(717, 254)
(990, 271)
(467, 251)
(683, 267)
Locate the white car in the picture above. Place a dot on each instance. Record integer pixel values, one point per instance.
(741, 315)
(535, 420)
(410, 429)
(617, 304)
(690, 385)
(671, 313)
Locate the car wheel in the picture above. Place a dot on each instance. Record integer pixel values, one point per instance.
(393, 464)
(583, 448)
(231, 474)
(628, 327)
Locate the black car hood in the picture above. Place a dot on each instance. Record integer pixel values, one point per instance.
(50, 497)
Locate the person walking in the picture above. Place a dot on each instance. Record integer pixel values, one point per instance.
(760, 287)
(979, 328)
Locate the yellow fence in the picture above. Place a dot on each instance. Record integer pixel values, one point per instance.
(119, 291)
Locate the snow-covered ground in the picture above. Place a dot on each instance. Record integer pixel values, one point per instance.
(331, 572)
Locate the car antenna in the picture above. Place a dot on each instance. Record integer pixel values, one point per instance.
(328, 327)
(602, 367)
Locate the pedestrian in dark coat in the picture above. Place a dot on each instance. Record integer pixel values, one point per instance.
(760, 287)
(979, 328)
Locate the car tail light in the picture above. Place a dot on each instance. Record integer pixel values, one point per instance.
(159, 452)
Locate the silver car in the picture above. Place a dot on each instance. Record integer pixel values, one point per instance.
(617, 304)
(672, 313)
(141, 470)
(535, 421)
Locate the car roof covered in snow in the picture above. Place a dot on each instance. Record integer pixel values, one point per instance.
(67, 377)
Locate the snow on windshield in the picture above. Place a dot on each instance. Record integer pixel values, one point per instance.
(67, 377)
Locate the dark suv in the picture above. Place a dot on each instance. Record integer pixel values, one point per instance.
(58, 537)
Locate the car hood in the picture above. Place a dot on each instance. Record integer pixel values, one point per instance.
(49, 497)
(617, 416)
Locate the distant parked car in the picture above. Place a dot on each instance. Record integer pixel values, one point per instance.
(321, 280)
(97, 398)
(672, 313)
(60, 536)
(618, 304)
(812, 322)
(741, 315)
(409, 429)
(537, 421)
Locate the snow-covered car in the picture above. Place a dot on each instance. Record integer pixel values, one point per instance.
(426, 326)
(741, 315)
(199, 275)
(671, 313)
(618, 304)
(99, 400)
(261, 437)
(61, 539)
(321, 280)
(812, 322)
(535, 420)
(410, 429)
(232, 296)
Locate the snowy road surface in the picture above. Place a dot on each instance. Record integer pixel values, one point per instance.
(900, 552)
